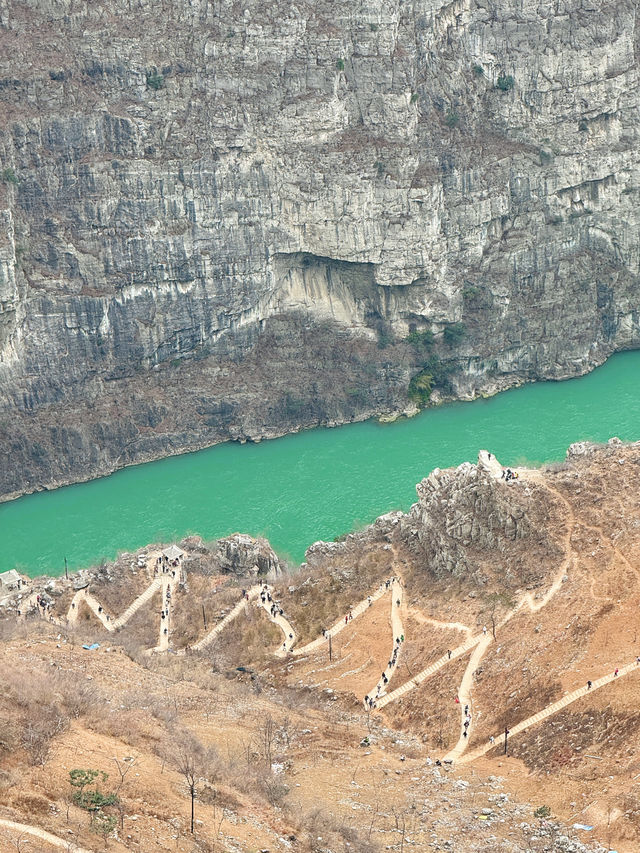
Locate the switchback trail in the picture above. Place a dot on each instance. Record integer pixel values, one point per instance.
(482, 642)
(634, 666)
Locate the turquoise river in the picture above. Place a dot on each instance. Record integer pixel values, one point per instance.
(315, 484)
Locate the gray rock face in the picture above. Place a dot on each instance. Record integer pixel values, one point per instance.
(245, 556)
(216, 218)
(465, 517)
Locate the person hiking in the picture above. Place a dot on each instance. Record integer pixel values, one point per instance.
(616, 672)
(449, 653)
(588, 685)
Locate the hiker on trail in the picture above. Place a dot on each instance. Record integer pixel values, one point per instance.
(165, 631)
(638, 660)
(484, 629)
(369, 600)
(397, 602)
(457, 701)
(402, 638)
(466, 710)
(385, 679)
(466, 725)
(464, 733)
(291, 636)
(350, 615)
(346, 619)
(449, 653)
(284, 647)
(588, 685)
(492, 740)
(617, 671)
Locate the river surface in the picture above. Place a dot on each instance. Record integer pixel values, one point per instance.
(316, 484)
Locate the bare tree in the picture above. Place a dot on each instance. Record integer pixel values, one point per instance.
(124, 767)
(187, 756)
(267, 738)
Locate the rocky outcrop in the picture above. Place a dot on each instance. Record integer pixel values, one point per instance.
(467, 516)
(219, 220)
(245, 556)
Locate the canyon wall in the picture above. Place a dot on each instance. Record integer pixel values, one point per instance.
(221, 220)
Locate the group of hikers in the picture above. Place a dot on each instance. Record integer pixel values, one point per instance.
(274, 608)
(370, 701)
(165, 612)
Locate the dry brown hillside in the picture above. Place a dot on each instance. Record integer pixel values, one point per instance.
(509, 596)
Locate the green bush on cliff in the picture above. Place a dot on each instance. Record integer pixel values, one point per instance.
(421, 340)
(454, 333)
(435, 373)
(155, 81)
(505, 83)
(420, 388)
(452, 119)
(9, 176)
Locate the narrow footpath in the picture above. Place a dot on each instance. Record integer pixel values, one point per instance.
(634, 666)
(397, 635)
(43, 835)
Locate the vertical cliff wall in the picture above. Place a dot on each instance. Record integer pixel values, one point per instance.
(220, 219)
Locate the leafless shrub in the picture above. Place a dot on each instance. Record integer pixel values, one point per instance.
(44, 724)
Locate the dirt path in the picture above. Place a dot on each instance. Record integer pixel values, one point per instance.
(169, 585)
(358, 610)
(464, 695)
(634, 666)
(427, 620)
(254, 592)
(397, 636)
(282, 623)
(22, 828)
(93, 604)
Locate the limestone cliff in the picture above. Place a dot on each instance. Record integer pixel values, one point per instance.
(219, 220)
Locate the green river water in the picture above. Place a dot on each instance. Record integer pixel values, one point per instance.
(316, 484)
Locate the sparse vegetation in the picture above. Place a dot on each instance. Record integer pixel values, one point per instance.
(8, 176)
(478, 70)
(340, 65)
(414, 97)
(505, 82)
(452, 119)
(420, 388)
(470, 292)
(155, 81)
(422, 340)
(454, 333)
(542, 812)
